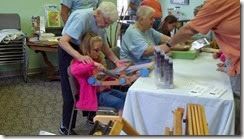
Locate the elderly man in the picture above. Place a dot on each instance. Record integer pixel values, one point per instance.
(79, 23)
(140, 38)
(134, 4)
(68, 6)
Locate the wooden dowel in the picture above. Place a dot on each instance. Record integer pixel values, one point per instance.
(205, 126)
(193, 119)
(189, 120)
(200, 119)
(197, 119)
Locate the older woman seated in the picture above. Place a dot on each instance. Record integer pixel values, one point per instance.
(140, 38)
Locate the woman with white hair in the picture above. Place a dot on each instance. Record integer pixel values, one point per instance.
(79, 23)
(140, 38)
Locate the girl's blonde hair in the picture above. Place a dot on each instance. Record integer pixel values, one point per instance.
(87, 42)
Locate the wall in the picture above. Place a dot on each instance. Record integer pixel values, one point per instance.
(186, 9)
(26, 9)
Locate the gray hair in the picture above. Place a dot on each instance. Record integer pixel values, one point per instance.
(108, 10)
(144, 11)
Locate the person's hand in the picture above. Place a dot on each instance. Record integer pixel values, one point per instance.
(215, 55)
(169, 54)
(121, 63)
(99, 66)
(221, 65)
(85, 59)
(165, 48)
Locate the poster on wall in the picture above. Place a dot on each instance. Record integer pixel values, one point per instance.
(182, 2)
(52, 16)
(37, 24)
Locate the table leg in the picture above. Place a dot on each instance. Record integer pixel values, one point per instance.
(51, 74)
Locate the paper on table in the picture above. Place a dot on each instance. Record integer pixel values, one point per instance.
(200, 43)
(216, 92)
(198, 90)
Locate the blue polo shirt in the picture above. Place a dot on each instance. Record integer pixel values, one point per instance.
(137, 4)
(81, 22)
(80, 4)
(135, 42)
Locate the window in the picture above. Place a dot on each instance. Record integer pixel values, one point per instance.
(122, 4)
(183, 2)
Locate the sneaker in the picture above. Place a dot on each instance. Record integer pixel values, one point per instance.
(64, 131)
(90, 122)
(90, 119)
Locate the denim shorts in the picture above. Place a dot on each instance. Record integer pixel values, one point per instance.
(111, 98)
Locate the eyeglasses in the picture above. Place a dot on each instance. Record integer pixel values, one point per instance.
(97, 50)
(107, 21)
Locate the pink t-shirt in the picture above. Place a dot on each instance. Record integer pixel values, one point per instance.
(223, 18)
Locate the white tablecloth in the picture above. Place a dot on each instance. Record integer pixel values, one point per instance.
(149, 109)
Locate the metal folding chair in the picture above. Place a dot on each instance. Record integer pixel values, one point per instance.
(14, 51)
(74, 88)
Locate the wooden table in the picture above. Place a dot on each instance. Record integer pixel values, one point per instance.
(43, 47)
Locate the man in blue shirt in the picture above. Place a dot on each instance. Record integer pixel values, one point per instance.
(140, 38)
(68, 6)
(79, 23)
(134, 4)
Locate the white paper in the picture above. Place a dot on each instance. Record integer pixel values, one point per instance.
(216, 92)
(198, 90)
(200, 43)
(45, 133)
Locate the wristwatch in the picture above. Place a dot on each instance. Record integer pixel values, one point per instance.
(168, 45)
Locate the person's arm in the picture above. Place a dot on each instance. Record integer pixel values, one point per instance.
(182, 35)
(164, 39)
(81, 69)
(64, 44)
(110, 55)
(149, 51)
(132, 6)
(64, 13)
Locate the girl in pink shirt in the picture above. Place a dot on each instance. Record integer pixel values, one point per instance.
(90, 97)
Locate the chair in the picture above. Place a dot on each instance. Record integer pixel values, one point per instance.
(110, 64)
(15, 51)
(74, 88)
(196, 122)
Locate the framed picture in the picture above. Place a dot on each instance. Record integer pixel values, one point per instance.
(182, 2)
(52, 15)
(53, 19)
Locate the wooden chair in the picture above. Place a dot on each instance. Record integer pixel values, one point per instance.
(118, 124)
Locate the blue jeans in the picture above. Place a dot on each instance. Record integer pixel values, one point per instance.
(111, 98)
(156, 23)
